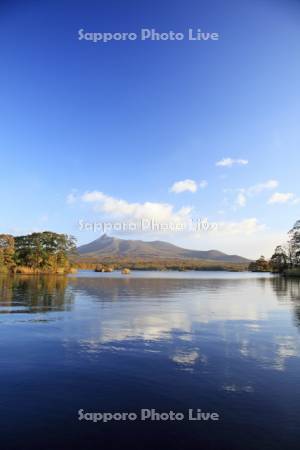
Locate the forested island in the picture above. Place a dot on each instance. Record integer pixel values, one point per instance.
(44, 252)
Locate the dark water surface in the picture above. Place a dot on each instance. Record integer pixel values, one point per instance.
(225, 343)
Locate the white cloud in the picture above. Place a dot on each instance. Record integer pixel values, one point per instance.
(229, 162)
(244, 227)
(281, 197)
(260, 187)
(244, 193)
(188, 186)
(120, 208)
(247, 237)
(183, 186)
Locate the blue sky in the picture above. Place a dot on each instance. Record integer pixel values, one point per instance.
(129, 119)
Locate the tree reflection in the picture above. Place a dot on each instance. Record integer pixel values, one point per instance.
(288, 290)
(32, 294)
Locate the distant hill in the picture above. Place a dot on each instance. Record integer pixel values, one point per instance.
(110, 247)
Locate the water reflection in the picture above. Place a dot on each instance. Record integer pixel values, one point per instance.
(230, 345)
(288, 291)
(34, 294)
(241, 317)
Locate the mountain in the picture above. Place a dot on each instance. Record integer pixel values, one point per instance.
(110, 247)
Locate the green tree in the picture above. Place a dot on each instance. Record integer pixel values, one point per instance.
(279, 259)
(294, 245)
(45, 250)
(260, 265)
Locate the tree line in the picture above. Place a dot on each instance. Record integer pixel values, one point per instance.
(37, 252)
(285, 259)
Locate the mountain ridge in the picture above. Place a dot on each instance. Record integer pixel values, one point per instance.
(111, 247)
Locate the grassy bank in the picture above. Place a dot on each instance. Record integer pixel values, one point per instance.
(24, 270)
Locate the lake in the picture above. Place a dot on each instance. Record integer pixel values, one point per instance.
(224, 343)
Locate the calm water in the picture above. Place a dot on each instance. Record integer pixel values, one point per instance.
(225, 343)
